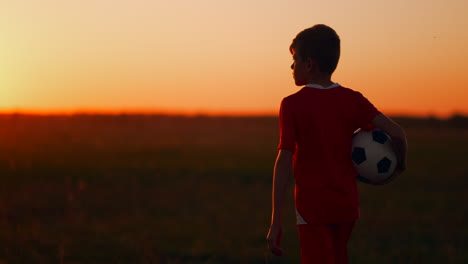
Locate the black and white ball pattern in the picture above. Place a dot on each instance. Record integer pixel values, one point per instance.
(373, 155)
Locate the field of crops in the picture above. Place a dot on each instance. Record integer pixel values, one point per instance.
(173, 189)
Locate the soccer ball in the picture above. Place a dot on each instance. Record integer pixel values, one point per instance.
(373, 155)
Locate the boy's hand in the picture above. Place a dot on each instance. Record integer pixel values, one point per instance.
(395, 174)
(274, 239)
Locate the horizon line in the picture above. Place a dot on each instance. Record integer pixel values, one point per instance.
(212, 113)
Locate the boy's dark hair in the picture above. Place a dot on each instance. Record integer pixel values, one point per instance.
(321, 44)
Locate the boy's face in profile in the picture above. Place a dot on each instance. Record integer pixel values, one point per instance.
(300, 69)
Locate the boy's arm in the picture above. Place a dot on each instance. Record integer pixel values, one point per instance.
(399, 141)
(282, 173)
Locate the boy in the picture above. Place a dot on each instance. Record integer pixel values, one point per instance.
(316, 128)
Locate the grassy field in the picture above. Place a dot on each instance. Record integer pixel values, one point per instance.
(161, 189)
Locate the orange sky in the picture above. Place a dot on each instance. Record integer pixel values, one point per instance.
(225, 56)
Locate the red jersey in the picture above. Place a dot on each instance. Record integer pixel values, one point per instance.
(317, 125)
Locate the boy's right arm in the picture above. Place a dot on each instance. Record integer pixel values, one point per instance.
(399, 141)
(281, 175)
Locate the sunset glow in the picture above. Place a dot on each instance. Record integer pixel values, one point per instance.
(225, 57)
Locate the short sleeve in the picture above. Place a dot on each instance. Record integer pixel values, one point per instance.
(287, 127)
(366, 111)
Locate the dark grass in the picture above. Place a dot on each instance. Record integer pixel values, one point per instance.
(160, 189)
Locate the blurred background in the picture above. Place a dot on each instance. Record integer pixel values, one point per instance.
(146, 131)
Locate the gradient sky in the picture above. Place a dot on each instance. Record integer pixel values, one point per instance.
(222, 56)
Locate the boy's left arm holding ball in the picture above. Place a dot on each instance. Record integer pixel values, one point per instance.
(399, 142)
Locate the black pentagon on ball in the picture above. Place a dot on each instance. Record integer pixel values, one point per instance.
(359, 155)
(384, 165)
(379, 136)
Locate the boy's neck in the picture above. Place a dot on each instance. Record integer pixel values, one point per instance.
(324, 81)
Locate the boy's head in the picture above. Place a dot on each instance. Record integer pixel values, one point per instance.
(319, 44)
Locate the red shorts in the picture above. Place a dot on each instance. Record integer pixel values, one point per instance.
(325, 244)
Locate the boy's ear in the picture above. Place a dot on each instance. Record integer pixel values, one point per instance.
(311, 65)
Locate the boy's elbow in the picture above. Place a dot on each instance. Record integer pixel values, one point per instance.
(285, 154)
(398, 132)
(284, 160)
(285, 157)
